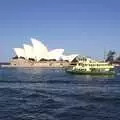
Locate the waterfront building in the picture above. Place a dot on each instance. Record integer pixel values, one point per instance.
(38, 51)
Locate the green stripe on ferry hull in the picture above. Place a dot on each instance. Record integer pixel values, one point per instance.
(91, 73)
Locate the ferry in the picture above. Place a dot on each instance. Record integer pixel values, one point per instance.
(87, 66)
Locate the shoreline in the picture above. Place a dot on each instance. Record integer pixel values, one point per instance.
(22, 63)
(10, 66)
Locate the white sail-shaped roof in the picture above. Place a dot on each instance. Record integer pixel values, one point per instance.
(69, 57)
(40, 50)
(55, 54)
(20, 52)
(28, 51)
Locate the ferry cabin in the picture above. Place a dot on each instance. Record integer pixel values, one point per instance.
(87, 64)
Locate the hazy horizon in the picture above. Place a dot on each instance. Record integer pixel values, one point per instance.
(85, 27)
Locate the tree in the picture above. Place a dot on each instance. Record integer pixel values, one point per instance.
(118, 58)
(16, 57)
(31, 59)
(110, 56)
(43, 59)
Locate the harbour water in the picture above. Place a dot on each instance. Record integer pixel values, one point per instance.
(52, 94)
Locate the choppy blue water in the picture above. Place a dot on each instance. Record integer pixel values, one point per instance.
(52, 94)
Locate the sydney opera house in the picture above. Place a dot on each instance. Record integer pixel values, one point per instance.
(38, 51)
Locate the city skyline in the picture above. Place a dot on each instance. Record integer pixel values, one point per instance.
(85, 27)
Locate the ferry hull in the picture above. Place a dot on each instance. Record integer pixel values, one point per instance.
(90, 73)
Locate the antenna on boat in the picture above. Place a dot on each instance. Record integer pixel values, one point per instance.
(104, 54)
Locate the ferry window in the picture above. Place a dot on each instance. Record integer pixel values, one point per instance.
(82, 65)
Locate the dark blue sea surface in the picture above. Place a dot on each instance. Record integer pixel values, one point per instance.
(52, 94)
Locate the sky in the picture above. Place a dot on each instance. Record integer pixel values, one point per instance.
(86, 27)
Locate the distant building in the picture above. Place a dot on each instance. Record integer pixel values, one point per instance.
(38, 51)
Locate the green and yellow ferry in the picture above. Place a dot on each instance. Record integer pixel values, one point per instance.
(87, 66)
